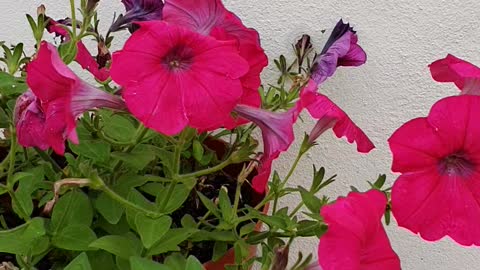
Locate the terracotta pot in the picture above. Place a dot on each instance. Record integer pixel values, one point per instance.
(220, 147)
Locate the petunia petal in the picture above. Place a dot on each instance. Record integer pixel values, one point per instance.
(330, 115)
(465, 75)
(355, 238)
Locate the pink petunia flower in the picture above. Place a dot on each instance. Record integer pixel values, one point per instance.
(341, 49)
(138, 11)
(29, 120)
(356, 239)
(173, 77)
(210, 17)
(438, 193)
(329, 116)
(277, 134)
(465, 75)
(83, 57)
(61, 97)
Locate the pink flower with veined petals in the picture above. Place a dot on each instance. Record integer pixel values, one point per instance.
(356, 239)
(210, 17)
(29, 120)
(341, 49)
(277, 134)
(60, 98)
(465, 75)
(329, 116)
(173, 77)
(438, 193)
(83, 57)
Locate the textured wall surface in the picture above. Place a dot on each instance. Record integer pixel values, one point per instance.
(401, 38)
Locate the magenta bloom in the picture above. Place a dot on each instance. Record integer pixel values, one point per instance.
(210, 17)
(30, 121)
(83, 57)
(356, 239)
(438, 192)
(329, 116)
(60, 98)
(465, 75)
(277, 134)
(138, 11)
(341, 49)
(173, 77)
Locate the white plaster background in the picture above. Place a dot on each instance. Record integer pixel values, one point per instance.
(400, 37)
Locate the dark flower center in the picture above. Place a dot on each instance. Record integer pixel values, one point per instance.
(179, 58)
(456, 164)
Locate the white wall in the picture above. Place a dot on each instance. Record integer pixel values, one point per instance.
(401, 38)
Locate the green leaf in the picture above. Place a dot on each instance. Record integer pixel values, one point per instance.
(68, 51)
(225, 236)
(10, 85)
(93, 149)
(137, 263)
(193, 264)
(219, 249)
(21, 240)
(79, 263)
(152, 230)
(120, 246)
(181, 191)
(313, 203)
(317, 179)
(74, 237)
(138, 158)
(110, 209)
(198, 150)
(176, 261)
(72, 208)
(137, 198)
(309, 228)
(209, 205)
(246, 229)
(225, 205)
(188, 222)
(101, 260)
(117, 126)
(170, 241)
(17, 177)
(241, 251)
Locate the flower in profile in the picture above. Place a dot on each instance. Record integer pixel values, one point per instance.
(138, 11)
(173, 77)
(277, 134)
(29, 121)
(329, 116)
(83, 57)
(210, 17)
(465, 75)
(356, 239)
(60, 98)
(438, 192)
(341, 49)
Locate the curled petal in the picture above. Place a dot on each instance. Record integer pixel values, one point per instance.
(355, 238)
(277, 134)
(138, 11)
(465, 75)
(341, 49)
(329, 116)
(62, 98)
(30, 121)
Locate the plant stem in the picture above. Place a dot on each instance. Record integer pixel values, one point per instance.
(299, 206)
(115, 196)
(74, 20)
(284, 182)
(13, 154)
(50, 160)
(141, 132)
(211, 170)
(238, 193)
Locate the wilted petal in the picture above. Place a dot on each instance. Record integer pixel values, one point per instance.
(465, 75)
(277, 134)
(329, 116)
(138, 11)
(341, 49)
